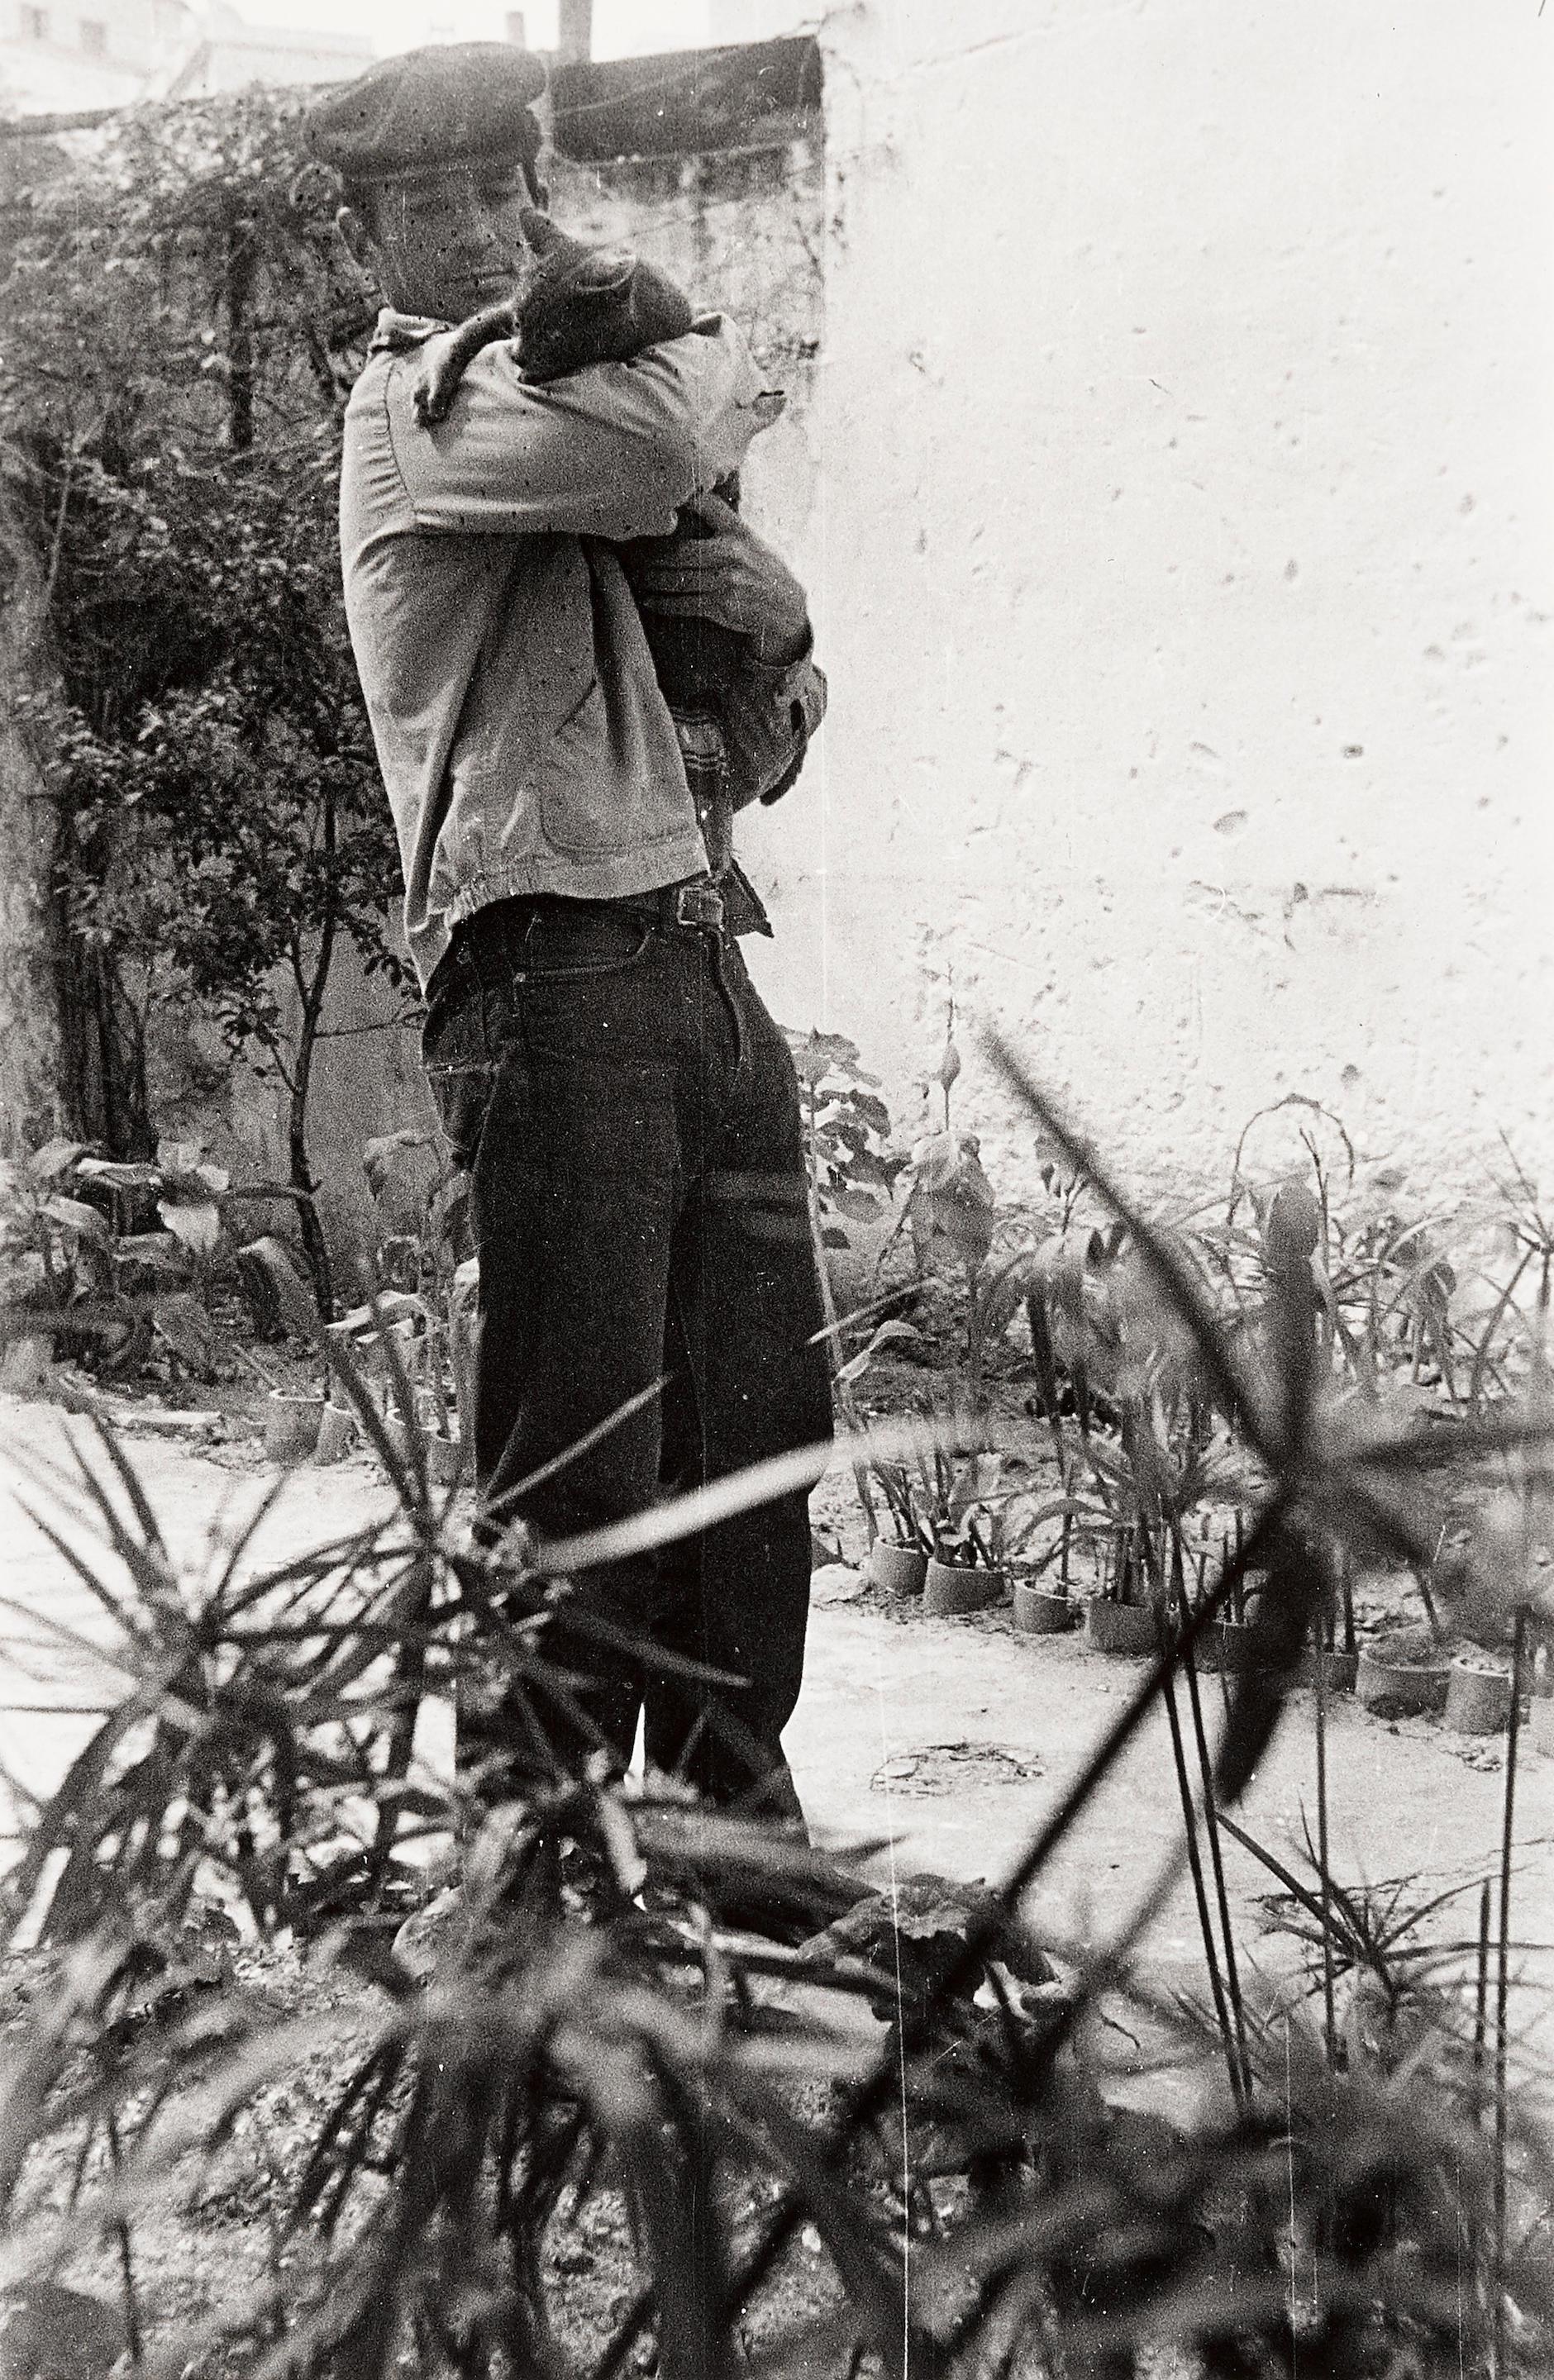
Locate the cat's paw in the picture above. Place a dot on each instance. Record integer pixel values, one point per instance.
(442, 370)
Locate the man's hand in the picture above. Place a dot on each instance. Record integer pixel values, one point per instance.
(732, 576)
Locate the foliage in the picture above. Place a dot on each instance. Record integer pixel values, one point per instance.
(1351, 2200)
(948, 1503)
(435, 1267)
(848, 1127)
(952, 1213)
(111, 1254)
(178, 342)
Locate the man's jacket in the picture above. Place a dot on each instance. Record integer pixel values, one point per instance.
(521, 733)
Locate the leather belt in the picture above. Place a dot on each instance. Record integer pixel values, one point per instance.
(693, 907)
(697, 907)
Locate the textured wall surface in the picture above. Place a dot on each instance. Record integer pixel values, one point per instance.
(1181, 547)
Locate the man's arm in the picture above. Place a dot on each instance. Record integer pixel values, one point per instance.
(775, 700)
(611, 452)
(769, 715)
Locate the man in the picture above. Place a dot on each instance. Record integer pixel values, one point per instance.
(603, 1067)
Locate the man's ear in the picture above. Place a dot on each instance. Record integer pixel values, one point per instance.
(357, 239)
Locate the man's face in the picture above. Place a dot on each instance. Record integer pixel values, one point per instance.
(445, 244)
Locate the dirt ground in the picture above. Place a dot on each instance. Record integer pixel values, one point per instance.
(941, 1743)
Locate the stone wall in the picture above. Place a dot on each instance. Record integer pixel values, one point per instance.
(1181, 557)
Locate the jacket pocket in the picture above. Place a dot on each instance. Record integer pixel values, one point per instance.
(584, 807)
(606, 792)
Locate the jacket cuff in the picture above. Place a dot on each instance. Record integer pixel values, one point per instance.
(781, 677)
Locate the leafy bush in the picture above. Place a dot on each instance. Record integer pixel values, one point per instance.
(179, 341)
(1356, 2196)
(108, 1256)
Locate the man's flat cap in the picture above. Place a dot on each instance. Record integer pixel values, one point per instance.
(428, 108)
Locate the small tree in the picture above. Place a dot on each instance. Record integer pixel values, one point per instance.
(179, 344)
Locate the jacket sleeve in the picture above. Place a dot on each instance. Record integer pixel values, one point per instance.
(769, 716)
(610, 452)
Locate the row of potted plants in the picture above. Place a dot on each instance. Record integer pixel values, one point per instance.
(1395, 1675)
(419, 1365)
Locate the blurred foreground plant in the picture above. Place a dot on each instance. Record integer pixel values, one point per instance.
(590, 2022)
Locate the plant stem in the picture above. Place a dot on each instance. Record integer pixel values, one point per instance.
(1211, 1828)
(1329, 2014)
(1503, 1990)
(1481, 1994)
(840, 1389)
(1194, 1863)
(311, 988)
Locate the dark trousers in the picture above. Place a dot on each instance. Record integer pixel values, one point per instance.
(628, 1112)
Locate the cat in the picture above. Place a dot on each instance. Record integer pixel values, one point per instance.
(588, 306)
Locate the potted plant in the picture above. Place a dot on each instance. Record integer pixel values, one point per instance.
(898, 1564)
(291, 1425)
(1404, 1672)
(1043, 1606)
(966, 1570)
(962, 1576)
(1325, 1660)
(1231, 1643)
(1329, 1665)
(1479, 1693)
(338, 1428)
(1124, 1616)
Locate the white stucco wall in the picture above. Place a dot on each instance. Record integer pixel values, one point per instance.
(1180, 550)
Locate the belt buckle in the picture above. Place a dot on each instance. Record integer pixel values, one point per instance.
(700, 905)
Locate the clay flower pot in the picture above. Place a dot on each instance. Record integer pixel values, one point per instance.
(1477, 1701)
(291, 1427)
(1338, 1670)
(1231, 1645)
(1041, 1612)
(445, 1459)
(1395, 1685)
(1122, 1627)
(336, 1434)
(951, 1589)
(896, 1570)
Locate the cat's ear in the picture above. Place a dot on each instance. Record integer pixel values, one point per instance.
(605, 274)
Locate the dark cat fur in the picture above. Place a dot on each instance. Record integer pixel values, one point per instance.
(590, 306)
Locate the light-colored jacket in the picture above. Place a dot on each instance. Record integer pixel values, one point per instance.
(520, 730)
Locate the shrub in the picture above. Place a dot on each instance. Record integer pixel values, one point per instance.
(1358, 2196)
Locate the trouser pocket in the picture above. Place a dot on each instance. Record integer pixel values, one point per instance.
(459, 1059)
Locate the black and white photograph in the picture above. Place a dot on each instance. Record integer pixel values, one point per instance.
(776, 1190)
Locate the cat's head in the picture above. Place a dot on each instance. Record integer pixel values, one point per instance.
(590, 305)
